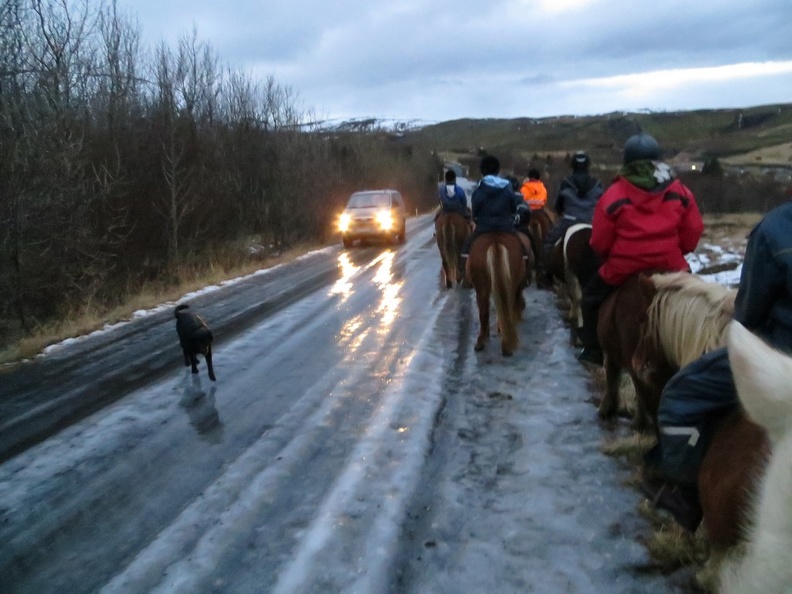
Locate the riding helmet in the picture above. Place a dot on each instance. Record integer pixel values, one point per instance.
(639, 147)
(580, 161)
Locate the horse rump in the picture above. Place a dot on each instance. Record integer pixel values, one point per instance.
(497, 269)
(451, 231)
(195, 338)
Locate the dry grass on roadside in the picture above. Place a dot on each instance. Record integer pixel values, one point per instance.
(670, 545)
(629, 448)
(90, 317)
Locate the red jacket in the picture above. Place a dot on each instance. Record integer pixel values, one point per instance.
(637, 230)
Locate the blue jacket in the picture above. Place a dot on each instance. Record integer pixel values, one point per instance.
(764, 300)
(455, 203)
(494, 205)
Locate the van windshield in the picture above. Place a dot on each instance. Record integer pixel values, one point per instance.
(368, 200)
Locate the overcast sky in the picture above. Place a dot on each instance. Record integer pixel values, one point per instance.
(439, 60)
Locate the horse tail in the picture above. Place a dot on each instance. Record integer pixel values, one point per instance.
(449, 248)
(688, 316)
(503, 293)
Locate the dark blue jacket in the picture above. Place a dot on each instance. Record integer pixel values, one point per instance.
(764, 299)
(494, 205)
(577, 197)
(455, 203)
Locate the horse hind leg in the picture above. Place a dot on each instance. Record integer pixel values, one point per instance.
(609, 405)
(453, 255)
(575, 294)
(483, 301)
(444, 257)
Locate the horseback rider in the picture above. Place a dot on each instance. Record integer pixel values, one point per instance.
(577, 197)
(647, 220)
(703, 392)
(495, 204)
(452, 197)
(533, 190)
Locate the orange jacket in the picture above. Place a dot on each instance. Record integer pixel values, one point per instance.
(534, 193)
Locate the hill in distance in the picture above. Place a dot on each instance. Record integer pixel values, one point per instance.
(750, 136)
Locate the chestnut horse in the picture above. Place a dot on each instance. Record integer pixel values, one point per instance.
(762, 377)
(496, 268)
(451, 231)
(651, 326)
(541, 221)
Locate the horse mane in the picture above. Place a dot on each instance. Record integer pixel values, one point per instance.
(688, 316)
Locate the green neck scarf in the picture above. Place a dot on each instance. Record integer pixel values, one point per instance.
(640, 173)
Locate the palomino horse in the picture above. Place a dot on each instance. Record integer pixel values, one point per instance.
(654, 325)
(573, 262)
(762, 376)
(451, 231)
(496, 267)
(650, 327)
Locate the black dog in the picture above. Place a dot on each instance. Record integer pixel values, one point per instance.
(195, 338)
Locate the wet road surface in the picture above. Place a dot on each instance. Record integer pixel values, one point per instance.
(350, 425)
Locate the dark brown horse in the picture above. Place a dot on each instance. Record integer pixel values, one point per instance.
(451, 231)
(573, 263)
(496, 268)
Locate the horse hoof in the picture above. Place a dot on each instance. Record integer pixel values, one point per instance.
(506, 352)
(479, 347)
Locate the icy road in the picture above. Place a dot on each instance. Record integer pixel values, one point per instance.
(353, 442)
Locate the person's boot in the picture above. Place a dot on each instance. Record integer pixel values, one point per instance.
(587, 334)
(591, 355)
(680, 501)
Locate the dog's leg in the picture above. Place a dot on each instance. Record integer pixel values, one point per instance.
(194, 362)
(209, 366)
(186, 356)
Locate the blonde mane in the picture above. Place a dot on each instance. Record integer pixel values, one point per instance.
(688, 316)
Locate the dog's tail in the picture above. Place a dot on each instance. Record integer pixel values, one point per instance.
(179, 308)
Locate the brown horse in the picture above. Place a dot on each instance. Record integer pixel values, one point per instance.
(541, 221)
(496, 268)
(650, 327)
(451, 231)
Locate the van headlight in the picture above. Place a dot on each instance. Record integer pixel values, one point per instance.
(343, 222)
(384, 220)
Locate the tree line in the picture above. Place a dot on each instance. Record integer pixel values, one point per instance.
(121, 165)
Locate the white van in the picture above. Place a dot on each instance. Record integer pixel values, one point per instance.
(373, 214)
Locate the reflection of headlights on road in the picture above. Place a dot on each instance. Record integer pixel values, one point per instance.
(343, 222)
(384, 220)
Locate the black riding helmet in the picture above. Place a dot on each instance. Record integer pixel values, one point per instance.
(580, 161)
(639, 147)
